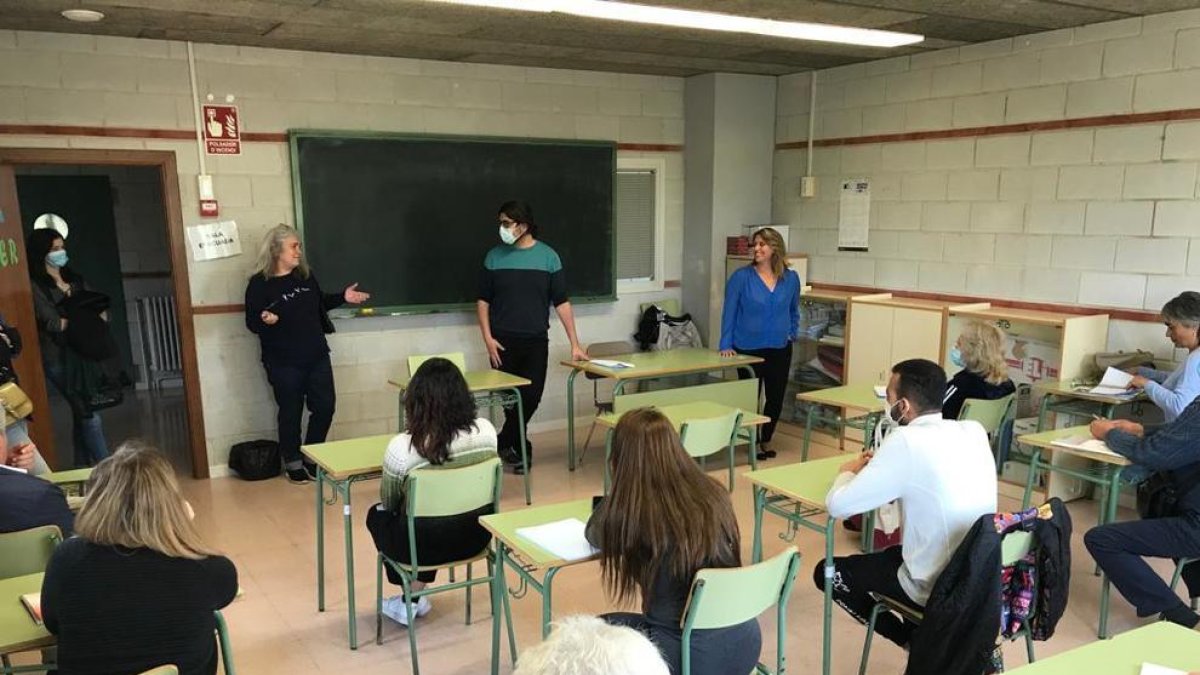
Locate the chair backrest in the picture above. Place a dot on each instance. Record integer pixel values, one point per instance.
(727, 597)
(1014, 546)
(990, 414)
(162, 670)
(27, 551)
(668, 305)
(448, 490)
(456, 358)
(703, 437)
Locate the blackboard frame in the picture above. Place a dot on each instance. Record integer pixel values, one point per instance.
(295, 135)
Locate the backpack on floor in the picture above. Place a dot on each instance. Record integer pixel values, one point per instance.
(255, 460)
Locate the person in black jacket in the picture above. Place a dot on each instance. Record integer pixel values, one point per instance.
(27, 501)
(979, 352)
(136, 587)
(288, 311)
(53, 284)
(1119, 548)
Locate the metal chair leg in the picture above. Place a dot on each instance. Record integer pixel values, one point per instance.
(866, 654)
(469, 589)
(1029, 644)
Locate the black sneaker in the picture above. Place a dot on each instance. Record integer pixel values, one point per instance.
(298, 476)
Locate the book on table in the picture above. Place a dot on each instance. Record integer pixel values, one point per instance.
(1115, 383)
(33, 605)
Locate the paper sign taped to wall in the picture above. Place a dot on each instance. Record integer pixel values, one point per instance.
(210, 241)
(854, 214)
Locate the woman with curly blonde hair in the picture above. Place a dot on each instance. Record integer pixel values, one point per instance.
(979, 352)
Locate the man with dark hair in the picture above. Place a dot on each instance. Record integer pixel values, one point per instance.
(944, 477)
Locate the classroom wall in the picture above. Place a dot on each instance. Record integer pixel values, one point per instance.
(59, 79)
(1096, 215)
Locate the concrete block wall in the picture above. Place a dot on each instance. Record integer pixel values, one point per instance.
(1099, 215)
(59, 79)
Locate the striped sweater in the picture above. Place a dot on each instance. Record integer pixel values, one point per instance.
(401, 458)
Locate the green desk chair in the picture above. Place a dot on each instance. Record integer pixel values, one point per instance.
(162, 670)
(456, 358)
(704, 437)
(223, 640)
(721, 598)
(1178, 573)
(1015, 546)
(434, 492)
(27, 551)
(991, 415)
(601, 350)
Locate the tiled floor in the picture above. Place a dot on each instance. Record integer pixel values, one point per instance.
(268, 529)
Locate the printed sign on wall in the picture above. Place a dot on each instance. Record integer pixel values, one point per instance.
(222, 129)
(210, 241)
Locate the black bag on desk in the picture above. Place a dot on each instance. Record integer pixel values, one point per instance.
(255, 460)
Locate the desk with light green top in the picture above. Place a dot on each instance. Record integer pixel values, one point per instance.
(524, 557)
(681, 412)
(492, 389)
(340, 464)
(848, 397)
(796, 493)
(69, 477)
(685, 361)
(1073, 398)
(18, 632)
(1162, 643)
(1107, 475)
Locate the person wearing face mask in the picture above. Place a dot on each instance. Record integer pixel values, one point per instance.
(1173, 391)
(54, 284)
(944, 477)
(522, 277)
(979, 352)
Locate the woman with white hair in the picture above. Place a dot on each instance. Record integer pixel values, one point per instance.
(588, 645)
(287, 310)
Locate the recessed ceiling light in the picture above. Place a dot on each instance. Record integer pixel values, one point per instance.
(82, 15)
(686, 18)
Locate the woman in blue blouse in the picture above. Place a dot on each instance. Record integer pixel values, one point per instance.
(1172, 392)
(760, 318)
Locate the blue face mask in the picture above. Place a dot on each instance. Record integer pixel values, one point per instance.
(57, 258)
(956, 357)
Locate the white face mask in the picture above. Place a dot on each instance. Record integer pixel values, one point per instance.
(887, 424)
(507, 236)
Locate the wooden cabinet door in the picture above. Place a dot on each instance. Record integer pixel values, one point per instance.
(870, 344)
(16, 305)
(916, 334)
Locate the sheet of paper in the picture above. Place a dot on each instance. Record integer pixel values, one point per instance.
(563, 538)
(606, 363)
(1093, 445)
(1115, 383)
(881, 391)
(1151, 669)
(210, 241)
(854, 214)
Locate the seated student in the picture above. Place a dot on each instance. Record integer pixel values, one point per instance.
(944, 476)
(664, 520)
(979, 351)
(1172, 392)
(586, 645)
(1119, 547)
(25, 500)
(137, 586)
(442, 428)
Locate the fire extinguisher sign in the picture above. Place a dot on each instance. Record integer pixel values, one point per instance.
(222, 129)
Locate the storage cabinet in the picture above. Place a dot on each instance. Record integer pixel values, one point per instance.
(889, 329)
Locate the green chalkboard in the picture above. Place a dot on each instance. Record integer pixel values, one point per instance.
(410, 218)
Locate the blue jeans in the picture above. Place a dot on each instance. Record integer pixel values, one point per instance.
(16, 435)
(87, 429)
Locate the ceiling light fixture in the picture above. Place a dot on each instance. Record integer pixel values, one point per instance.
(686, 18)
(83, 15)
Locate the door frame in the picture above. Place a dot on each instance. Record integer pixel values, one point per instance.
(168, 174)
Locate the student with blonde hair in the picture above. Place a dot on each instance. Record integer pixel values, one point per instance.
(587, 645)
(137, 586)
(287, 310)
(979, 352)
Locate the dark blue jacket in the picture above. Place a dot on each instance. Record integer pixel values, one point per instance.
(28, 501)
(1173, 448)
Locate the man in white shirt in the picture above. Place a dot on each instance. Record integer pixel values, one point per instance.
(944, 477)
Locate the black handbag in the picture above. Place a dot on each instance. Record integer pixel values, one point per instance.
(255, 460)
(1157, 497)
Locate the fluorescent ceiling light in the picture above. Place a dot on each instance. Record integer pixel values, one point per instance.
(82, 15)
(686, 18)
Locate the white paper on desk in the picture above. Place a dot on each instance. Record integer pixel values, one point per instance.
(880, 391)
(1115, 383)
(615, 365)
(563, 538)
(1151, 669)
(1093, 445)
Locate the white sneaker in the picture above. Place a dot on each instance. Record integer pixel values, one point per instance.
(395, 608)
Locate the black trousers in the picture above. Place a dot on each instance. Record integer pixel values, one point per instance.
(297, 386)
(717, 651)
(856, 576)
(1119, 549)
(440, 539)
(524, 357)
(772, 376)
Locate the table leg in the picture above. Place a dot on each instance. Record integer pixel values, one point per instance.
(1043, 409)
(496, 587)
(320, 542)
(547, 588)
(608, 438)
(400, 413)
(810, 409)
(524, 449)
(760, 502)
(827, 632)
(571, 419)
(349, 528)
(1034, 459)
(753, 432)
(1110, 513)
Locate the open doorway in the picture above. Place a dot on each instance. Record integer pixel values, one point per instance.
(125, 237)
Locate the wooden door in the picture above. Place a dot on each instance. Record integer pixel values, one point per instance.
(869, 347)
(916, 334)
(16, 305)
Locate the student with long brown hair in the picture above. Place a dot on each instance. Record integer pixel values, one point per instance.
(137, 586)
(662, 521)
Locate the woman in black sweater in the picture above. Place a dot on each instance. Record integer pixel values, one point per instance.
(136, 587)
(288, 311)
(979, 352)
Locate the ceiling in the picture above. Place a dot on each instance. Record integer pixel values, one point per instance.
(428, 30)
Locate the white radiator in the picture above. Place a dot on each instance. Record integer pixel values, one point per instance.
(160, 338)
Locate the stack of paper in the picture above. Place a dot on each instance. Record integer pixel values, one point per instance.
(1092, 445)
(615, 365)
(1152, 669)
(563, 538)
(1115, 383)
